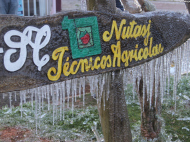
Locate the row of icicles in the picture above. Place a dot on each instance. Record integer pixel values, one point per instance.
(61, 93)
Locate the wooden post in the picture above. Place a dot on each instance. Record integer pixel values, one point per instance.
(114, 116)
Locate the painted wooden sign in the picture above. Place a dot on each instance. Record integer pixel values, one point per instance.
(42, 50)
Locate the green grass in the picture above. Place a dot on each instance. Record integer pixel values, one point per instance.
(176, 127)
(76, 125)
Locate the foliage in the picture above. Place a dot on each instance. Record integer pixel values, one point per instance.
(76, 125)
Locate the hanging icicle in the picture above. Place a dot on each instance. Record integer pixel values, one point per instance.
(48, 96)
(61, 101)
(36, 109)
(32, 97)
(63, 94)
(15, 96)
(21, 102)
(83, 86)
(73, 98)
(68, 88)
(10, 99)
(108, 85)
(133, 71)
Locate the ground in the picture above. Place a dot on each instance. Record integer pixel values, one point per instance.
(15, 134)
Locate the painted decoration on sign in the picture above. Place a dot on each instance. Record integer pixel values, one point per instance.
(37, 51)
(84, 36)
(26, 38)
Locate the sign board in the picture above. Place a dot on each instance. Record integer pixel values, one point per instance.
(36, 51)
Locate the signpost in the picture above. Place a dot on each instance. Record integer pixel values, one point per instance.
(35, 51)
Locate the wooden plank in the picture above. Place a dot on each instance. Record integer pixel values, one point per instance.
(42, 50)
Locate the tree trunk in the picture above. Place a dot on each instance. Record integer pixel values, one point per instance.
(187, 3)
(114, 115)
(107, 6)
(90, 5)
(150, 125)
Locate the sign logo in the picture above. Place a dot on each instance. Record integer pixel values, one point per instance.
(84, 36)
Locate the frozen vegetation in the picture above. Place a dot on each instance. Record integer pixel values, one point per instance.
(82, 123)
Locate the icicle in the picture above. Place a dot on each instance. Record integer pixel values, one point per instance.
(61, 100)
(3, 95)
(103, 90)
(138, 77)
(144, 86)
(161, 73)
(72, 84)
(21, 93)
(75, 88)
(57, 98)
(80, 84)
(169, 55)
(39, 98)
(24, 96)
(134, 81)
(63, 93)
(156, 81)
(113, 75)
(99, 91)
(91, 81)
(102, 82)
(68, 88)
(48, 97)
(184, 50)
(42, 98)
(148, 70)
(53, 101)
(32, 96)
(83, 86)
(175, 78)
(179, 63)
(36, 108)
(165, 75)
(45, 92)
(108, 85)
(10, 99)
(152, 73)
(15, 96)
(188, 56)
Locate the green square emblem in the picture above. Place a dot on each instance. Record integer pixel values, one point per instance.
(84, 36)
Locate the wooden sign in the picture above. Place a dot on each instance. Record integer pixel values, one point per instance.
(36, 51)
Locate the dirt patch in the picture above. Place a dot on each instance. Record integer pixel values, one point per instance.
(9, 134)
(15, 134)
